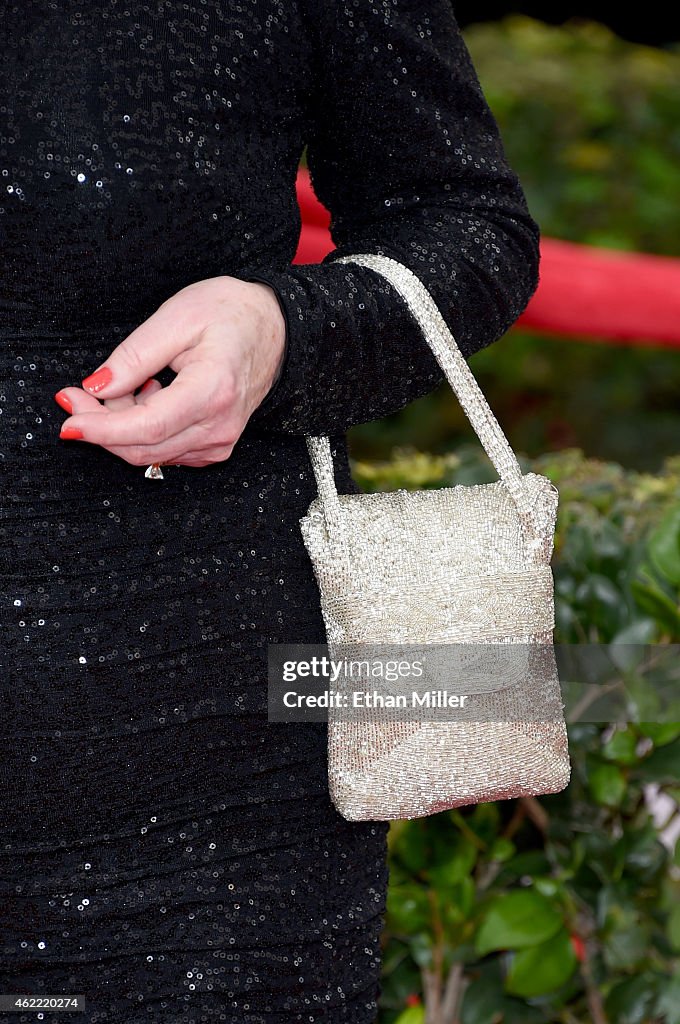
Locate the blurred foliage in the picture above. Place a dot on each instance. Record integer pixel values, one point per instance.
(615, 403)
(591, 124)
(563, 908)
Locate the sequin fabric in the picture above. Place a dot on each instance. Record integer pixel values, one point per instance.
(163, 849)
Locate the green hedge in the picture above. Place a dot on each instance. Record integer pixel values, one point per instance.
(592, 123)
(564, 908)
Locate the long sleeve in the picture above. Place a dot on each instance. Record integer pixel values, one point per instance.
(405, 153)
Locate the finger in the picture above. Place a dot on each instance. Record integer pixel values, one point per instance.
(146, 350)
(74, 400)
(159, 418)
(124, 402)
(188, 444)
(198, 463)
(200, 457)
(150, 388)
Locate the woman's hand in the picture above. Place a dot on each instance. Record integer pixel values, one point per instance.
(223, 337)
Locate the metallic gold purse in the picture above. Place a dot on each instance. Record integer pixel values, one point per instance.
(463, 565)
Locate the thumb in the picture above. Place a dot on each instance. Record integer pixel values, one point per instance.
(146, 351)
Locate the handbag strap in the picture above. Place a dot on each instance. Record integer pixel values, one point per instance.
(460, 377)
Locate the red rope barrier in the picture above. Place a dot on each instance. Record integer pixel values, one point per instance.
(587, 292)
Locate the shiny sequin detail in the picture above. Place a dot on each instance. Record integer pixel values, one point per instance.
(465, 564)
(164, 849)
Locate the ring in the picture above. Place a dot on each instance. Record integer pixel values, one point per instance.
(154, 472)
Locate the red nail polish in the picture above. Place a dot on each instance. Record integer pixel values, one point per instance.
(98, 380)
(64, 401)
(146, 385)
(71, 434)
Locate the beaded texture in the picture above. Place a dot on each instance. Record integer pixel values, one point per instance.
(465, 564)
(164, 849)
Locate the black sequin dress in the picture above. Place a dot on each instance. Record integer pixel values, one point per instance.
(165, 851)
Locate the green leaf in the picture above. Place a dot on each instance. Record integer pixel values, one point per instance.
(626, 648)
(667, 1006)
(515, 920)
(662, 765)
(664, 546)
(625, 948)
(517, 1011)
(673, 927)
(410, 846)
(481, 1002)
(658, 604)
(485, 1002)
(621, 747)
(642, 701)
(632, 1000)
(660, 733)
(457, 903)
(420, 946)
(501, 850)
(607, 784)
(602, 600)
(543, 968)
(458, 866)
(484, 821)
(412, 1015)
(408, 908)
(547, 886)
(530, 862)
(644, 853)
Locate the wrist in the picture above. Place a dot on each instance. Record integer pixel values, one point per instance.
(269, 293)
(272, 328)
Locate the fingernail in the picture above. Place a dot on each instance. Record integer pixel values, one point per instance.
(71, 434)
(64, 401)
(146, 385)
(98, 380)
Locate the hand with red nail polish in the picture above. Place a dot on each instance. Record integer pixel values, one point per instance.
(223, 337)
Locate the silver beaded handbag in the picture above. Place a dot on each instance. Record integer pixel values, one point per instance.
(463, 565)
